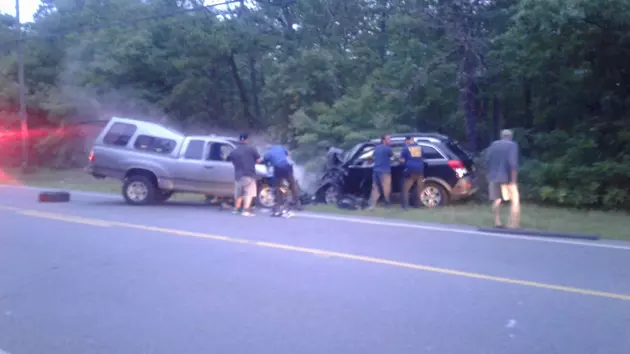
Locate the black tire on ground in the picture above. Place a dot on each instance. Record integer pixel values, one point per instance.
(434, 195)
(139, 190)
(54, 197)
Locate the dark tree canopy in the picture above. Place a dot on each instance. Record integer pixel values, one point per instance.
(315, 73)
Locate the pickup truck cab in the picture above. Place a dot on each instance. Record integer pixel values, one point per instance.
(153, 162)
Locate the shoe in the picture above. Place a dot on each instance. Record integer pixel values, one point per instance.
(235, 211)
(247, 213)
(276, 214)
(287, 214)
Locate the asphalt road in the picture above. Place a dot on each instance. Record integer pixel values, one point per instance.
(97, 276)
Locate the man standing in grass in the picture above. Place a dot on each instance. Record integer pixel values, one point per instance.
(244, 159)
(502, 166)
(382, 172)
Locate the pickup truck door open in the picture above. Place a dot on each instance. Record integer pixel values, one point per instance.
(219, 171)
(189, 172)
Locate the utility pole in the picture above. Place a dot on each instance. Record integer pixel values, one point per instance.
(23, 116)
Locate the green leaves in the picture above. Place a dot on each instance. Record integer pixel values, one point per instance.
(319, 73)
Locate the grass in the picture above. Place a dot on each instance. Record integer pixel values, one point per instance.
(612, 225)
(72, 179)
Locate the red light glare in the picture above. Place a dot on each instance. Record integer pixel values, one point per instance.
(6, 178)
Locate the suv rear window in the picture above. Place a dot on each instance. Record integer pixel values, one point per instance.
(428, 152)
(119, 134)
(458, 150)
(153, 144)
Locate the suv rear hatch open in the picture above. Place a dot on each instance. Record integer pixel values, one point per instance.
(462, 154)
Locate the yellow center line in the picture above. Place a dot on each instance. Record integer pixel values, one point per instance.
(319, 252)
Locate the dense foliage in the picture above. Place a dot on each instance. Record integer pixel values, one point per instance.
(315, 73)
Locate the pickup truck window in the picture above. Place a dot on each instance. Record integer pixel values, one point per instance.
(219, 151)
(154, 144)
(194, 151)
(119, 134)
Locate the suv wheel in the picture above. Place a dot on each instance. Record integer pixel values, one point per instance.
(138, 190)
(433, 195)
(331, 194)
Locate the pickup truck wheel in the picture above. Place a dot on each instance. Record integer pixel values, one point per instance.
(139, 190)
(265, 198)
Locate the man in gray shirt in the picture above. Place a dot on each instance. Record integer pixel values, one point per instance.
(244, 158)
(502, 165)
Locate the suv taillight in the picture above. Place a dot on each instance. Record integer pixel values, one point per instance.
(91, 157)
(458, 167)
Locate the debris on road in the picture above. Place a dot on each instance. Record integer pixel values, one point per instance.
(54, 197)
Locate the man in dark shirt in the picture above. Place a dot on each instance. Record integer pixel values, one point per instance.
(502, 166)
(414, 170)
(278, 157)
(382, 172)
(244, 159)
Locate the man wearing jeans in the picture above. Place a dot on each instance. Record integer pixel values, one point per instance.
(382, 172)
(278, 157)
(244, 159)
(502, 165)
(414, 170)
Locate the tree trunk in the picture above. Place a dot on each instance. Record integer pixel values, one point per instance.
(468, 88)
(496, 117)
(529, 116)
(242, 90)
(253, 77)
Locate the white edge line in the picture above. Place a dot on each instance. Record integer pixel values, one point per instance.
(3, 351)
(462, 231)
(388, 224)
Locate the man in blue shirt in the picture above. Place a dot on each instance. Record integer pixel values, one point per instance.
(411, 155)
(278, 157)
(382, 172)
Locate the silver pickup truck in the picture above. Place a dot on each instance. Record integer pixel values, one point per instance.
(154, 162)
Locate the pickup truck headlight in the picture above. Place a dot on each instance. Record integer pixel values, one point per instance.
(263, 170)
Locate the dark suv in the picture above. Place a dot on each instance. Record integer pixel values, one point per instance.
(449, 170)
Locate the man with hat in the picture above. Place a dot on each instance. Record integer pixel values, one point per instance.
(244, 158)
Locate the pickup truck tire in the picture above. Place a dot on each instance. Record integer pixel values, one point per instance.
(139, 190)
(265, 198)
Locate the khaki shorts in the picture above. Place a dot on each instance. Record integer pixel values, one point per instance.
(505, 192)
(245, 187)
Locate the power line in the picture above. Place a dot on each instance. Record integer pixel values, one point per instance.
(123, 23)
